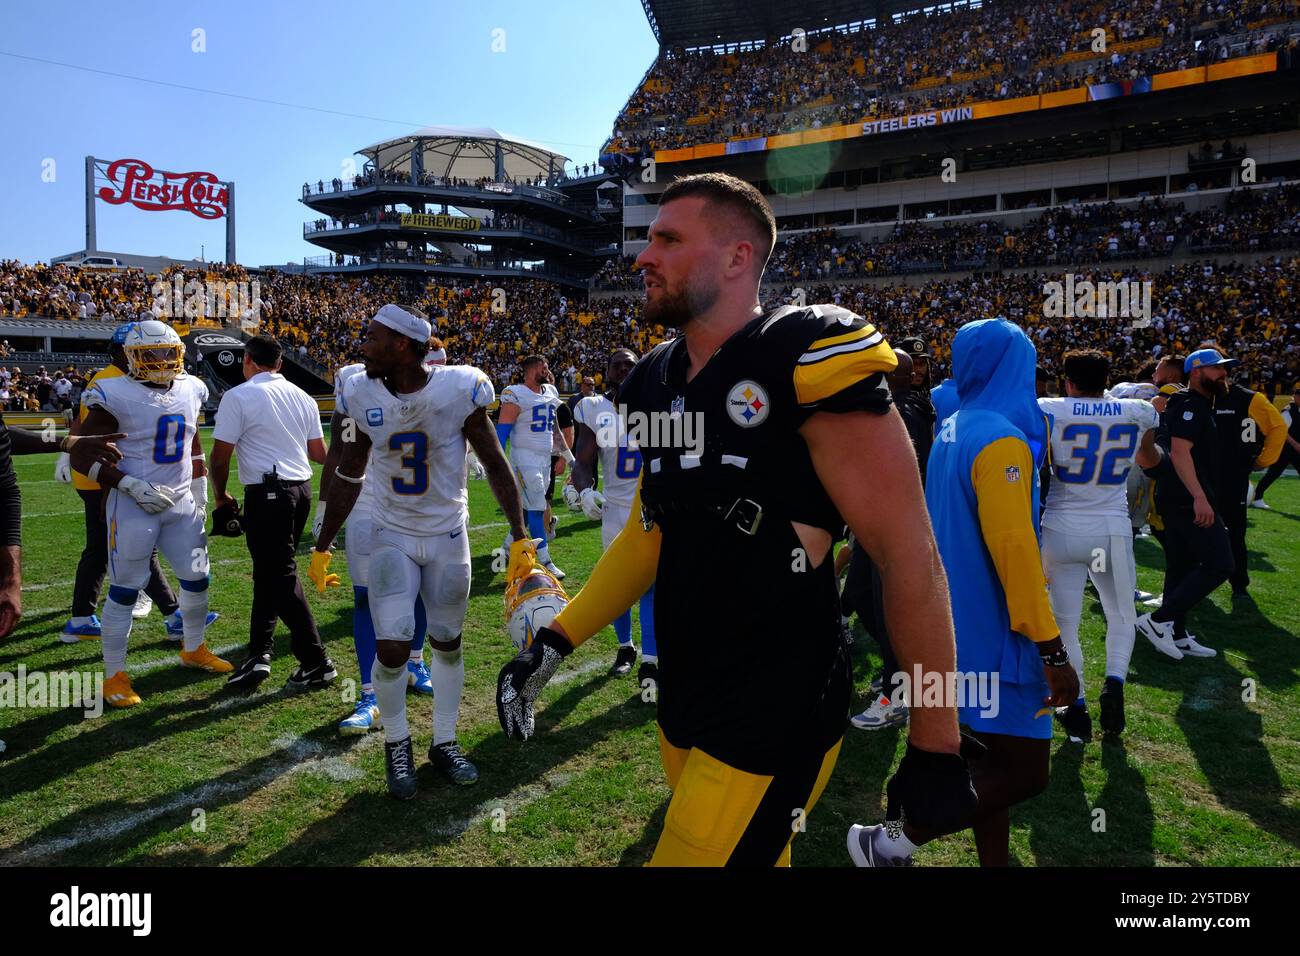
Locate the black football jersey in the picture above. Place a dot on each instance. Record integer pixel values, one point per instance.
(751, 663)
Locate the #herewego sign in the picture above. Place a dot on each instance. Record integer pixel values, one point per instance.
(136, 182)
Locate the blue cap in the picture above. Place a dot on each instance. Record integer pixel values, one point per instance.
(121, 332)
(1203, 358)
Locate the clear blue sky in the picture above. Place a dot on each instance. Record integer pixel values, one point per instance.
(567, 67)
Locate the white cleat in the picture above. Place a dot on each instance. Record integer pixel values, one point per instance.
(1261, 504)
(550, 566)
(143, 605)
(862, 848)
(1156, 601)
(1191, 648)
(1161, 634)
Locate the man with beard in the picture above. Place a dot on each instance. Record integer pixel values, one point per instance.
(735, 527)
(1198, 554)
(600, 434)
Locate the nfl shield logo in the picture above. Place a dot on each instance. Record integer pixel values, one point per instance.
(375, 416)
(678, 406)
(1013, 473)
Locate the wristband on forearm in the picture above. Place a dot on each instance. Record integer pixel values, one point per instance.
(1056, 658)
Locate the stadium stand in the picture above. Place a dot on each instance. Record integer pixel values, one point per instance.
(968, 53)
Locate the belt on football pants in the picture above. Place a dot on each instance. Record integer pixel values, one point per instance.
(744, 513)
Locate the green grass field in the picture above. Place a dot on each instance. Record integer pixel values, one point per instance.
(199, 776)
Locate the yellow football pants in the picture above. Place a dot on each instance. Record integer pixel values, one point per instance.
(721, 816)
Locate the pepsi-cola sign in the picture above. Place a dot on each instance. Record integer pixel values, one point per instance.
(136, 182)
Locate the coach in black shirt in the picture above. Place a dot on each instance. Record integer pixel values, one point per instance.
(1198, 555)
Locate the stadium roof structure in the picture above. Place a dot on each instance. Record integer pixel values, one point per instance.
(701, 23)
(467, 152)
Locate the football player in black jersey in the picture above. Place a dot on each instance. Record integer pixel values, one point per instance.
(799, 437)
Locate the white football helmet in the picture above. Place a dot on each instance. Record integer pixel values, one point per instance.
(154, 352)
(532, 603)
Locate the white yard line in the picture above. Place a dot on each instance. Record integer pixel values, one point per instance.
(502, 807)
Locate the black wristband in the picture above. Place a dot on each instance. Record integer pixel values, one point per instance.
(1058, 658)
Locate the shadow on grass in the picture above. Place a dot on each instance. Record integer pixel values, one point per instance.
(510, 772)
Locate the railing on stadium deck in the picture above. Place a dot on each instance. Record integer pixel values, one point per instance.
(541, 272)
(532, 228)
(323, 188)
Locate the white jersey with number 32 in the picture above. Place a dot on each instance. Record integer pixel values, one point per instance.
(1094, 442)
(416, 472)
(160, 424)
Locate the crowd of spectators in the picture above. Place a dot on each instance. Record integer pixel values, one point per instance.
(1247, 221)
(38, 390)
(1249, 309)
(1002, 49)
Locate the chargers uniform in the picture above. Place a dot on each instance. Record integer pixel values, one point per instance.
(1086, 525)
(531, 440)
(621, 466)
(160, 425)
(420, 545)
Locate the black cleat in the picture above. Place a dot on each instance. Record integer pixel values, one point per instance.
(1076, 721)
(623, 661)
(399, 767)
(453, 764)
(312, 678)
(251, 673)
(1112, 707)
(647, 678)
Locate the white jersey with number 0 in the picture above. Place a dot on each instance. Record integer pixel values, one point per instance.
(536, 421)
(1094, 442)
(160, 424)
(619, 465)
(416, 471)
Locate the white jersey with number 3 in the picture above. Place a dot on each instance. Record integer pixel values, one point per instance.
(1094, 443)
(536, 421)
(160, 424)
(619, 466)
(416, 472)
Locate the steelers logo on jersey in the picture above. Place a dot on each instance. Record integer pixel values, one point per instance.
(747, 403)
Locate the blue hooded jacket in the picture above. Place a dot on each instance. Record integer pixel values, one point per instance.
(982, 495)
(944, 399)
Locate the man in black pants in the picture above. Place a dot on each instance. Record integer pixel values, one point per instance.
(1290, 451)
(1198, 554)
(275, 426)
(1251, 435)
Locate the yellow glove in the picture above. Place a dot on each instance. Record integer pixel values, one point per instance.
(523, 558)
(319, 572)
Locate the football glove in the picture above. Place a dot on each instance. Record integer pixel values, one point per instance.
(63, 468)
(226, 522)
(199, 489)
(319, 571)
(933, 790)
(523, 558)
(593, 503)
(571, 498)
(523, 678)
(152, 499)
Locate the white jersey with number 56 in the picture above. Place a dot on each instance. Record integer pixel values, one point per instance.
(160, 424)
(1094, 442)
(536, 421)
(416, 472)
